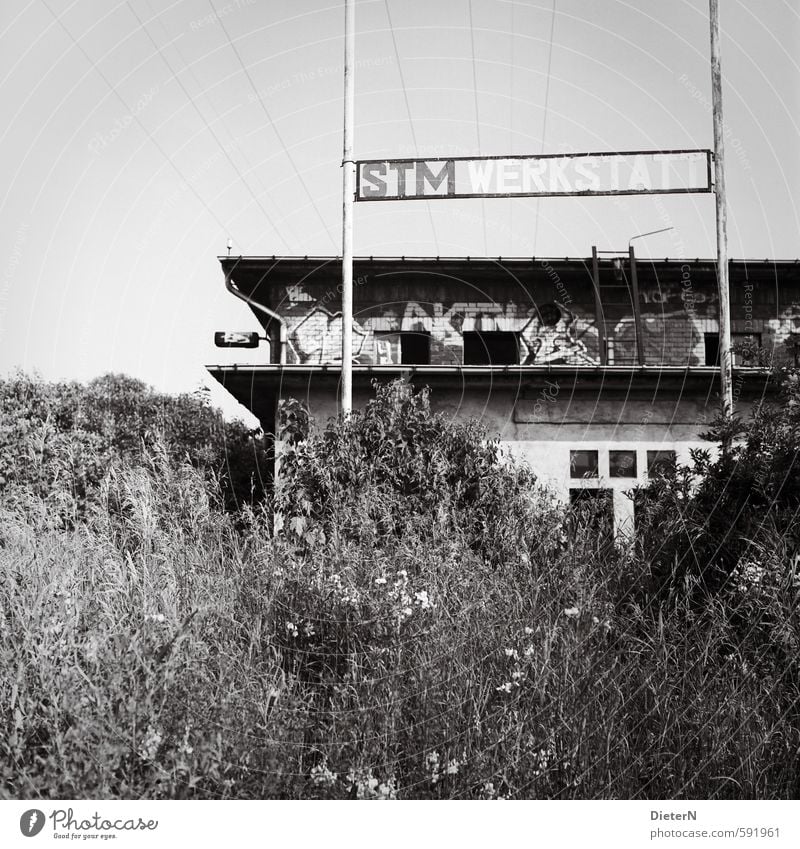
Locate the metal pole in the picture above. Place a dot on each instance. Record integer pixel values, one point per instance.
(598, 308)
(637, 315)
(726, 377)
(348, 197)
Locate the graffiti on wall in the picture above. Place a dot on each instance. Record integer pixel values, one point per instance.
(559, 336)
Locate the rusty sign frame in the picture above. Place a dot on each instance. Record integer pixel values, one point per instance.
(709, 156)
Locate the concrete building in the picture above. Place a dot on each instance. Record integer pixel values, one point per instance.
(591, 370)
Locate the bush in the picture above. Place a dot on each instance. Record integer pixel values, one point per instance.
(410, 632)
(62, 436)
(396, 465)
(706, 521)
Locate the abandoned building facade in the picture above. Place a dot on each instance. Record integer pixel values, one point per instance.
(594, 371)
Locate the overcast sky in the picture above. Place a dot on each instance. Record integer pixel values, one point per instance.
(139, 136)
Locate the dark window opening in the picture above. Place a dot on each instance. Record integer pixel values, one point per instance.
(583, 464)
(415, 348)
(622, 464)
(494, 348)
(659, 462)
(712, 349)
(744, 348)
(407, 348)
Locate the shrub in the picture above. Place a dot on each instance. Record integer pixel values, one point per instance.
(62, 436)
(705, 521)
(384, 643)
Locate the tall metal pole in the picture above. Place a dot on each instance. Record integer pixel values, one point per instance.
(348, 197)
(637, 312)
(599, 318)
(726, 377)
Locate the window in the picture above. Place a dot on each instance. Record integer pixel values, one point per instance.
(622, 464)
(744, 347)
(415, 348)
(494, 348)
(407, 348)
(659, 462)
(583, 464)
(712, 349)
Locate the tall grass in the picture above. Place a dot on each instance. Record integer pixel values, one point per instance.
(156, 647)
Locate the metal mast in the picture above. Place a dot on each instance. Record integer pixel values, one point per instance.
(348, 197)
(722, 216)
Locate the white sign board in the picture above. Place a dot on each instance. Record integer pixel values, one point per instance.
(654, 172)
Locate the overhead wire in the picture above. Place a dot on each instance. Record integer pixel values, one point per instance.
(544, 117)
(250, 169)
(511, 120)
(477, 117)
(408, 112)
(132, 112)
(274, 127)
(210, 129)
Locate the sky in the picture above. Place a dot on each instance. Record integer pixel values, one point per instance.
(138, 137)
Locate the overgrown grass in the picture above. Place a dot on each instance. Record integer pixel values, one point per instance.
(157, 647)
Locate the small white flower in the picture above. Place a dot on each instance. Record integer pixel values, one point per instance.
(504, 688)
(322, 776)
(422, 599)
(380, 581)
(528, 631)
(571, 611)
(388, 790)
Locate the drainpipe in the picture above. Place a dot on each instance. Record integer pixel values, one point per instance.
(282, 333)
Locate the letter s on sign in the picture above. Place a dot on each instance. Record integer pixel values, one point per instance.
(372, 184)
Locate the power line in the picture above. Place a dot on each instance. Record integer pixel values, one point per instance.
(250, 169)
(207, 125)
(274, 126)
(544, 117)
(408, 112)
(477, 117)
(511, 122)
(131, 112)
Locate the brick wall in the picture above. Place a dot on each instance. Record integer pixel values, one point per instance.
(550, 306)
